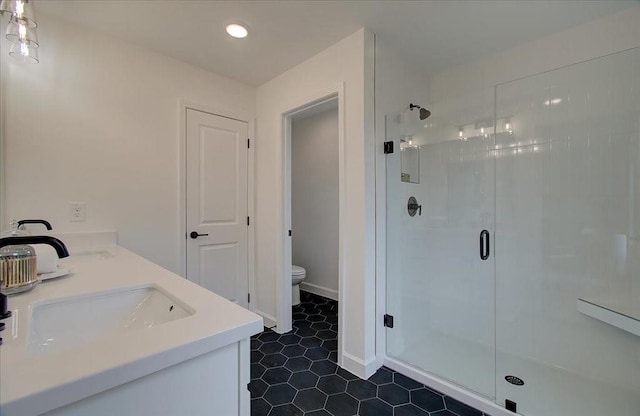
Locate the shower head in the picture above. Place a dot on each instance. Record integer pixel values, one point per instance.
(424, 113)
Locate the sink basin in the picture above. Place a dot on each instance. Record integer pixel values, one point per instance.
(64, 323)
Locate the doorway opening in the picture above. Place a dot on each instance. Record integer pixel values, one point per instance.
(315, 201)
(310, 292)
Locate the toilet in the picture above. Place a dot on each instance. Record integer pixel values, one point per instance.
(297, 275)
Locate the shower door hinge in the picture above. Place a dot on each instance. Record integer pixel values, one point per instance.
(388, 320)
(248, 297)
(388, 147)
(248, 143)
(248, 222)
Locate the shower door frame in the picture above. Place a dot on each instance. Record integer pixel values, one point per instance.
(463, 394)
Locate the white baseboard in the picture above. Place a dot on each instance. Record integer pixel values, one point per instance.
(269, 321)
(319, 290)
(360, 368)
(469, 398)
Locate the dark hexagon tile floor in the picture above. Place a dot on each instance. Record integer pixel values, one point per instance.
(295, 374)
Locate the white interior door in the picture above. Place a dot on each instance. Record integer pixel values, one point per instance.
(217, 222)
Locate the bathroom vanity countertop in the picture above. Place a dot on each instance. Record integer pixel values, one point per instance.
(34, 383)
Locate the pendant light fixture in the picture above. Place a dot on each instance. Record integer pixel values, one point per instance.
(21, 30)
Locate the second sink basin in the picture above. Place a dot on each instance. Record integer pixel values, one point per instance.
(59, 324)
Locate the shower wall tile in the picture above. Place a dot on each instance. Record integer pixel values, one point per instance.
(566, 212)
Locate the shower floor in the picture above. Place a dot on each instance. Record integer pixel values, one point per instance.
(295, 374)
(555, 391)
(548, 390)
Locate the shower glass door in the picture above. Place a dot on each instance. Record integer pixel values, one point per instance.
(549, 323)
(568, 246)
(440, 267)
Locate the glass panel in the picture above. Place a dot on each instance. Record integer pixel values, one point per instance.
(439, 291)
(567, 205)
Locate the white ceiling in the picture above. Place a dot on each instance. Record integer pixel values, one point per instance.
(435, 34)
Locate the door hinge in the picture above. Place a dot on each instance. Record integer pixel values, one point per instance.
(388, 147)
(248, 221)
(388, 320)
(248, 297)
(248, 143)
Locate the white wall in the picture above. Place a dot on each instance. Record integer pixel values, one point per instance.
(97, 120)
(600, 37)
(348, 63)
(314, 200)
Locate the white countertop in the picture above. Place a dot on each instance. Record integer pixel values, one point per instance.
(33, 384)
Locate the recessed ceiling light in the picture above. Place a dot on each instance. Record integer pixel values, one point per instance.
(237, 30)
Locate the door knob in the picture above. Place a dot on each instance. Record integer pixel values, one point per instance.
(194, 235)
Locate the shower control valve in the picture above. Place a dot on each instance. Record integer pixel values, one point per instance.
(413, 207)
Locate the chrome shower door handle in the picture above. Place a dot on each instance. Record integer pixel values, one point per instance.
(484, 244)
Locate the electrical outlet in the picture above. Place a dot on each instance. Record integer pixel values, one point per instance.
(77, 211)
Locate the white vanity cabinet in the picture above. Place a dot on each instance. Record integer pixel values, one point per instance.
(214, 383)
(123, 336)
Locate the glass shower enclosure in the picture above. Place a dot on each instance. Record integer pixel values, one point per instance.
(514, 272)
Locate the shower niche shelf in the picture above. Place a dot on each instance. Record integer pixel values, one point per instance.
(622, 313)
